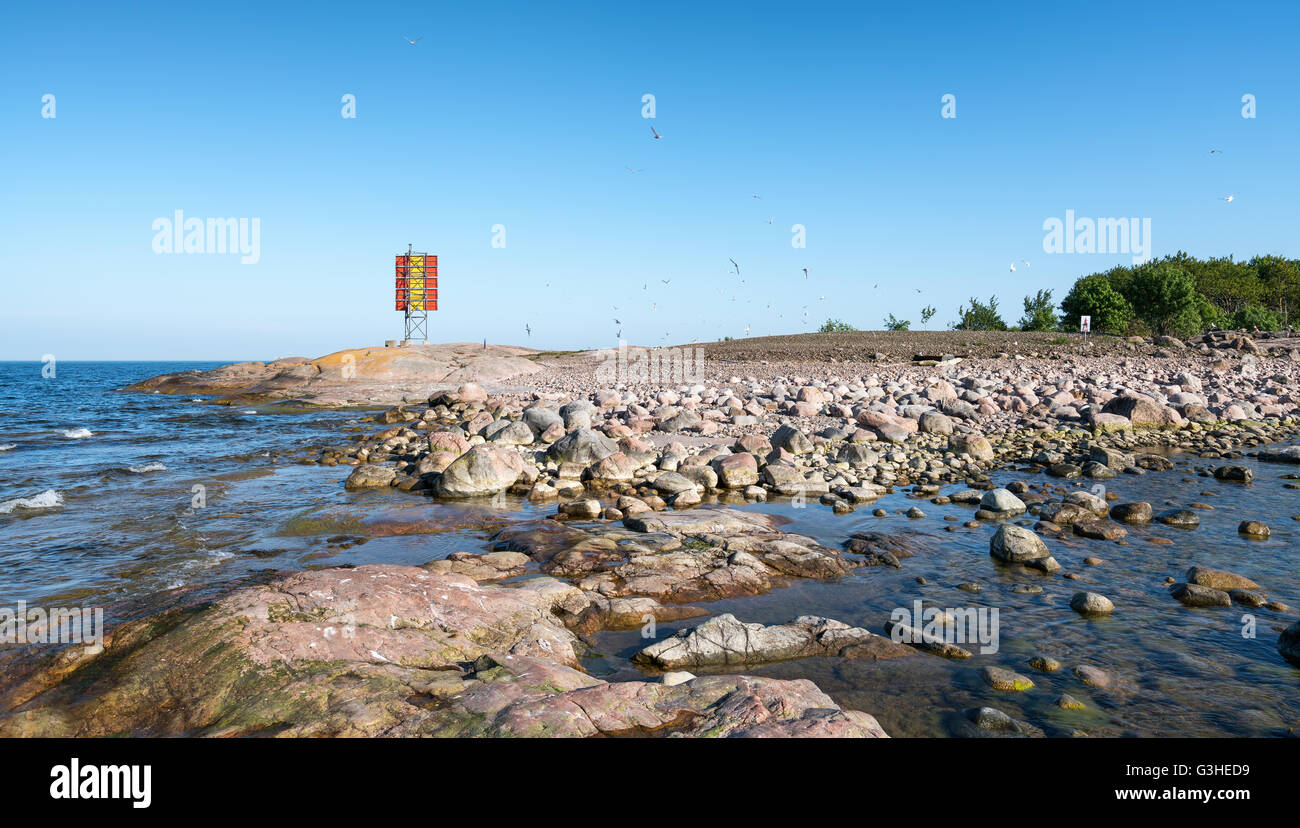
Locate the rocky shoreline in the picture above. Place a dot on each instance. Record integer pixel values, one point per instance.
(641, 477)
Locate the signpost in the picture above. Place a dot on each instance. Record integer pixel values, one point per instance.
(1085, 326)
(417, 292)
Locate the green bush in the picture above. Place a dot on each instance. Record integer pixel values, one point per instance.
(980, 316)
(1040, 313)
(1093, 296)
(1253, 316)
(835, 326)
(892, 324)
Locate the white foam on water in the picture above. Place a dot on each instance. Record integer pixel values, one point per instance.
(47, 499)
(248, 411)
(78, 433)
(147, 467)
(8, 446)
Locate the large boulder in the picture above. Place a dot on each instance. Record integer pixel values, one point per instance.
(483, 470)
(539, 419)
(1137, 512)
(857, 454)
(1110, 458)
(514, 433)
(736, 471)
(932, 422)
(792, 440)
(615, 468)
(1016, 544)
(583, 446)
(471, 392)
(1140, 410)
(370, 476)
(449, 442)
(1002, 501)
(975, 445)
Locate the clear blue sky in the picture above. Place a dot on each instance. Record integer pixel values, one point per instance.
(528, 116)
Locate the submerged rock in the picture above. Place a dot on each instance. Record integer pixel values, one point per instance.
(1194, 595)
(1000, 678)
(1288, 644)
(1179, 517)
(1280, 454)
(1237, 474)
(1218, 579)
(1253, 529)
(725, 640)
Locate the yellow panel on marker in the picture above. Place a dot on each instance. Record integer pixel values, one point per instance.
(417, 284)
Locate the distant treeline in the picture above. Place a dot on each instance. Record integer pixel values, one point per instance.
(1178, 295)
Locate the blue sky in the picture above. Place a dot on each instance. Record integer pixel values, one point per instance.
(529, 116)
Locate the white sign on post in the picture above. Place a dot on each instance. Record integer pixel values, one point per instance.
(1085, 324)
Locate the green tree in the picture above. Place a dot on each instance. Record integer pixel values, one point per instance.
(1256, 316)
(835, 326)
(1040, 313)
(1093, 296)
(980, 316)
(1163, 294)
(927, 313)
(1279, 284)
(1228, 284)
(892, 324)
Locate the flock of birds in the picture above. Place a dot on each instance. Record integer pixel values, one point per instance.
(736, 266)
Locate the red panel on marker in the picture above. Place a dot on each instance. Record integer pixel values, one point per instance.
(431, 282)
(403, 287)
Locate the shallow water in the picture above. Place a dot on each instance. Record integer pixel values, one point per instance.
(1179, 671)
(115, 516)
(111, 534)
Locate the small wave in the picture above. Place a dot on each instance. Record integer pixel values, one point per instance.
(78, 433)
(248, 411)
(147, 467)
(8, 446)
(47, 499)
